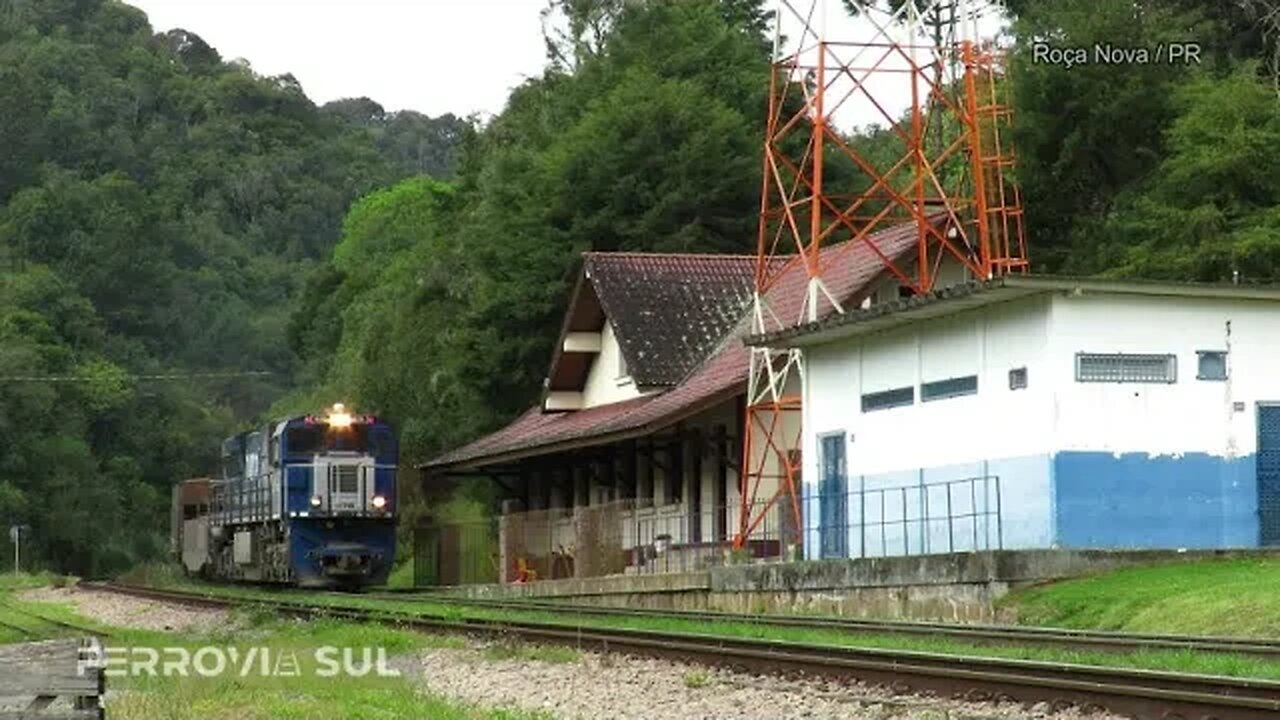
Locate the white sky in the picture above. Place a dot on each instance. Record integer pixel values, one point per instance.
(433, 56)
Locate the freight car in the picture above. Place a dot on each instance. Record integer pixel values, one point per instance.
(307, 501)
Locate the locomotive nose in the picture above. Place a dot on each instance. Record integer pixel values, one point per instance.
(347, 559)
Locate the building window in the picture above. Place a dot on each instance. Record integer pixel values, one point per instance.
(623, 371)
(1211, 365)
(949, 388)
(1018, 379)
(886, 399)
(1123, 368)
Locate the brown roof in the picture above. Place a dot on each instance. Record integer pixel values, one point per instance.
(851, 268)
(669, 311)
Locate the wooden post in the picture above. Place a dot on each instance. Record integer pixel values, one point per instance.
(693, 504)
(720, 487)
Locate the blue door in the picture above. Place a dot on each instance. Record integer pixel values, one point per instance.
(833, 498)
(1269, 474)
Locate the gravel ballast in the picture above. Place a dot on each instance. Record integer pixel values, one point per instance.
(630, 688)
(132, 612)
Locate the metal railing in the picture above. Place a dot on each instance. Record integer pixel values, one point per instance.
(638, 537)
(925, 518)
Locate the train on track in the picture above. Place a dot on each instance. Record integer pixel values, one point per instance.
(307, 501)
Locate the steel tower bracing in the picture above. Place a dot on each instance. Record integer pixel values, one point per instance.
(940, 166)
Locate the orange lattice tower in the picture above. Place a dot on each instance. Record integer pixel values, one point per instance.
(940, 167)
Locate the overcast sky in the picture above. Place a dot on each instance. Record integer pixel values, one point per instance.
(433, 56)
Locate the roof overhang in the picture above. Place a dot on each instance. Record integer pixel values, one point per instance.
(478, 464)
(969, 296)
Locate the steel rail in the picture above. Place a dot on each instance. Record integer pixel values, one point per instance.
(978, 634)
(66, 625)
(1142, 694)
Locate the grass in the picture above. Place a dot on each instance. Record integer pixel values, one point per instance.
(309, 695)
(1169, 660)
(238, 695)
(22, 621)
(514, 649)
(401, 574)
(695, 679)
(1239, 597)
(27, 581)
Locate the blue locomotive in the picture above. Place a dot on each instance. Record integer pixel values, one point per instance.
(308, 501)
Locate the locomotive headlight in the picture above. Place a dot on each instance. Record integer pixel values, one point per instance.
(379, 501)
(339, 417)
(315, 501)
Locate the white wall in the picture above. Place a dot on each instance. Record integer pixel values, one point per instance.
(997, 432)
(997, 422)
(604, 385)
(1188, 416)
(1082, 464)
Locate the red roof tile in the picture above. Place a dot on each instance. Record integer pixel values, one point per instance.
(670, 311)
(851, 268)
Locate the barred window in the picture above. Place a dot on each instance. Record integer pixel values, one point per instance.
(885, 399)
(1123, 368)
(949, 388)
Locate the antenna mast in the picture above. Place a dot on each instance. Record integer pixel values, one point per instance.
(939, 166)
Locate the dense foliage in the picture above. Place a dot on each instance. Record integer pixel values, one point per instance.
(162, 209)
(159, 210)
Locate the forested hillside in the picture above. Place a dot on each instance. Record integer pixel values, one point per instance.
(159, 210)
(163, 210)
(441, 302)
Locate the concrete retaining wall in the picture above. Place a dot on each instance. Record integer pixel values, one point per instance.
(956, 587)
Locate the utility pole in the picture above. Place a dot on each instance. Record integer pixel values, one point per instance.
(15, 535)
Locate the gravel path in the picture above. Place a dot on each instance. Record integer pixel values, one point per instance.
(626, 688)
(132, 612)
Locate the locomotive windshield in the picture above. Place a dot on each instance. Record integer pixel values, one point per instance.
(326, 438)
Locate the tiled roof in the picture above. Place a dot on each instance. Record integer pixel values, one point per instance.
(851, 267)
(669, 311)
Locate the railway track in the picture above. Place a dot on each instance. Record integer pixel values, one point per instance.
(1145, 695)
(1007, 635)
(28, 632)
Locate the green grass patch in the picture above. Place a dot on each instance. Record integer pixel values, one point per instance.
(515, 649)
(22, 621)
(401, 574)
(308, 694)
(1169, 660)
(28, 581)
(239, 695)
(1236, 597)
(157, 575)
(695, 679)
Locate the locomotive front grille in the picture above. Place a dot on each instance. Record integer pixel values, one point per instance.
(348, 479)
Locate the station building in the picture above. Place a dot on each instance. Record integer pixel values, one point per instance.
(1040, 412)
(638, 433)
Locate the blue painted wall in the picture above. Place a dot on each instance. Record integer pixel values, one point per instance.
(877, 529)
(1071, 499)
(1134, 500)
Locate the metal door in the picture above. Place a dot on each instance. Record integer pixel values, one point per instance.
(1269, 474)
(833, 498)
